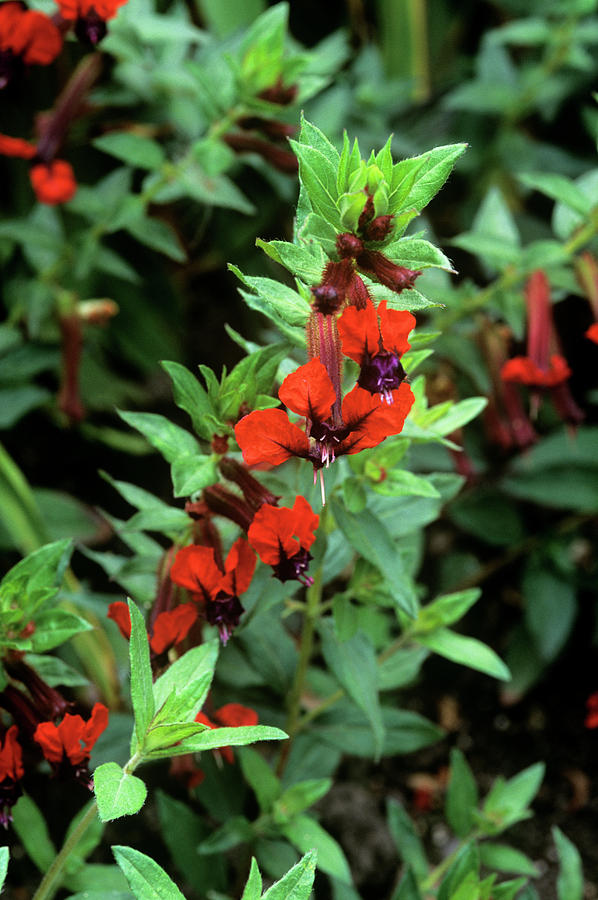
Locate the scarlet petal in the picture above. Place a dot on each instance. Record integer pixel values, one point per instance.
(48, 737)
(12, 146)
(194, 568)
(239, 568)
(523, 370)
(234, 715)
(276, 530)
(172, 627)
(94, 727)
(119, 613)
(53, 182)
(75, 9)
(359, 332)
(42, 41)
(309, 391)
(370, 421)
(395, 325)
(11, 756)
(267, 436)
(203, 720)
(592, 332)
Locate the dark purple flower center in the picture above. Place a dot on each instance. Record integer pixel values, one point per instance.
(90, 29)
(224, 611)
(294, 567)
(327, 438)
(9, 66)
(382, 374)
(10, 791)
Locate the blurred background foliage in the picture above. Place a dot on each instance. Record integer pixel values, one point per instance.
(177, 175)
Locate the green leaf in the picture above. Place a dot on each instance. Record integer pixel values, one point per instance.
(401, 668)
(162, 740)
(146, 878)
(30, 825)
(4, 856)
(345, 728)
(489, 515)
(190, 396)
(353, 662)
(305, 834)
(213, 738)
(157, 235)
(142, 697)
(131, 148)
(463, 870)
(188, 681)
(402, 483)
(462, 795)
(55, 626)
(118, 793)
(407, 888)
(570, 878)
(253, 887)
(299, 797)
(285, 303)
(299, 261)
(465, 650)
(446, 610)
(407, 840)
(559, 188)
(17, 401)
(370, 538)
(432, 170)
(506, 859)
(550, 609)
(297, 883)
(507, 801)
(193, 473)
(171, 440)
(415, 253)
(258, 774)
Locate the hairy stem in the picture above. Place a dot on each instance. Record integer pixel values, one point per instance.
(52, 879)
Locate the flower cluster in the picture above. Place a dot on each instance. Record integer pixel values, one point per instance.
(28, 37)
(42, 729)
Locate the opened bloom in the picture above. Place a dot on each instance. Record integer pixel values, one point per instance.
(11, 772)
(267, 436)
(195, 568)
(282, 538)
(27, 37)
(376, 338)
(70, 743)
(170, 627)
(90, 17)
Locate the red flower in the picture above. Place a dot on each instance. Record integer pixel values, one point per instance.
(231, 715)
(11, 756)
(12, 146)
(543, 367)
(592, 332)
(11, 771)
(90, 17)
(282, 538)
(26, 36)
(592, 716)
(53, 182)
(70, 743)
(195, 568)
(376, 339)
(170, 628)
(267, 436)
(523, 370)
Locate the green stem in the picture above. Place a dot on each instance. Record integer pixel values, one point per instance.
(311, 614)
(437, 873)
(52, 879)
